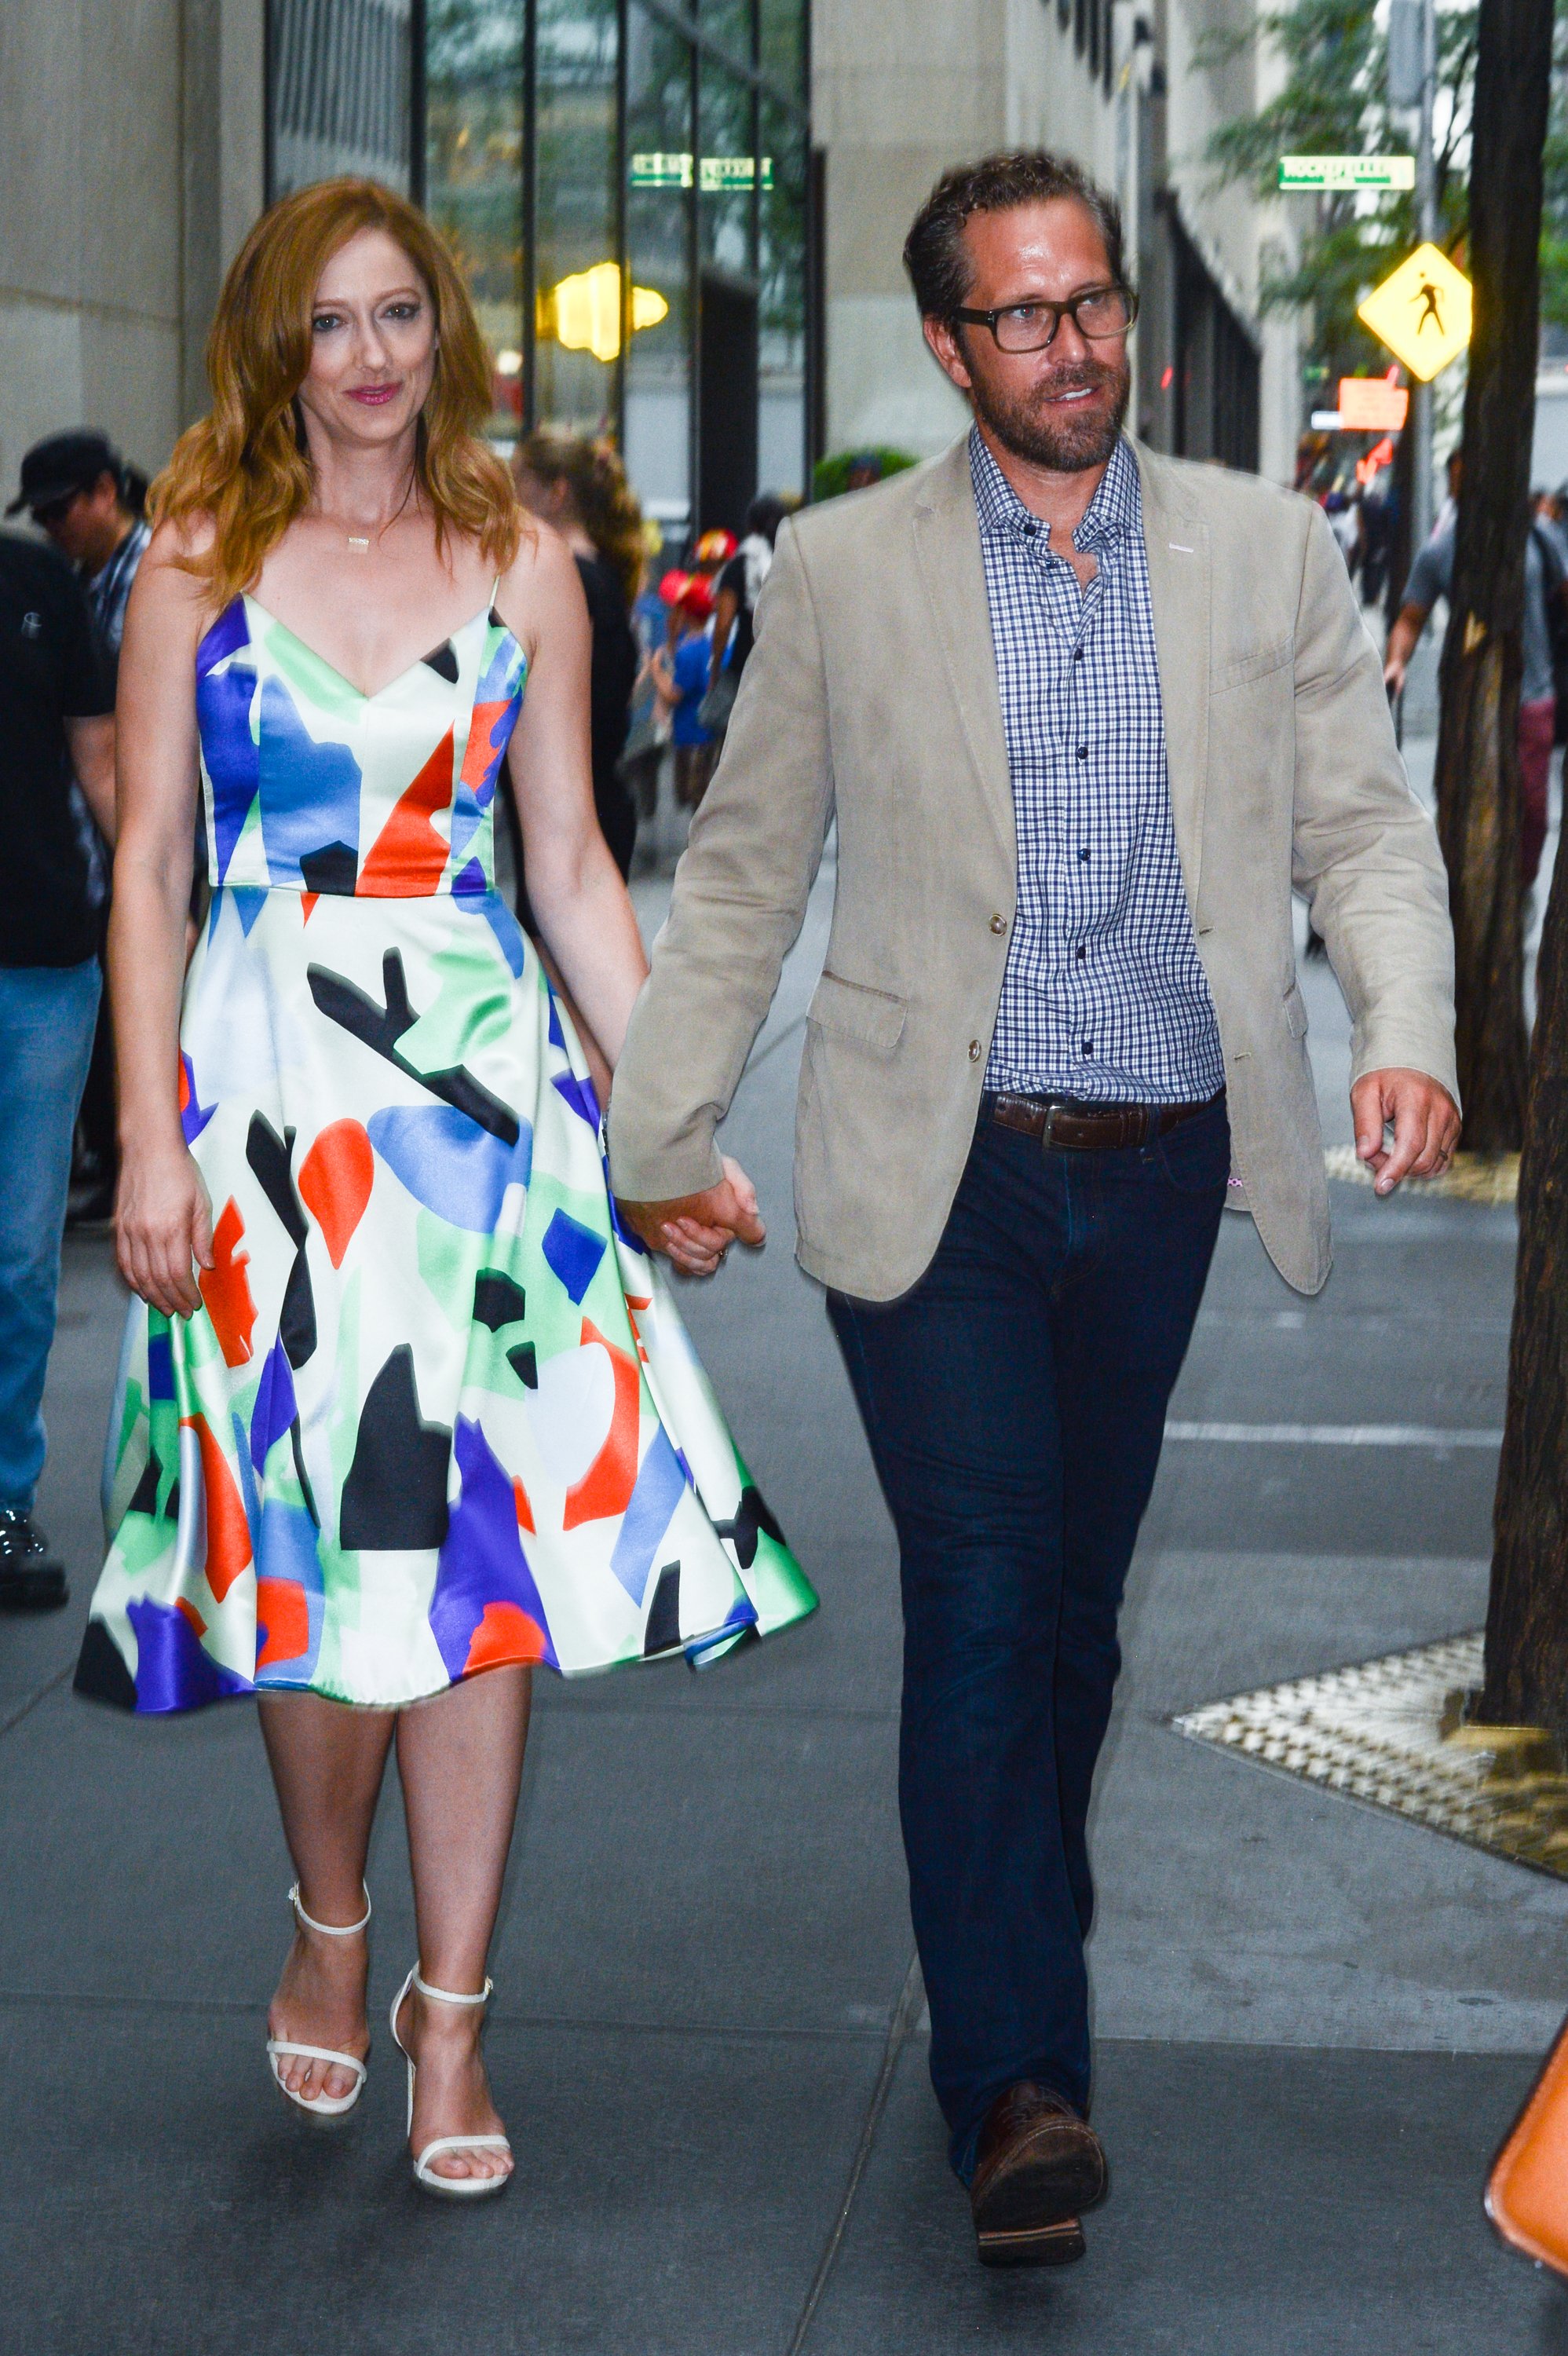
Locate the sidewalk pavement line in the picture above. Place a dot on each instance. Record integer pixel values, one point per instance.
(1336, 1435)
(33, 1700)
(554, 2023)
(906, 2014)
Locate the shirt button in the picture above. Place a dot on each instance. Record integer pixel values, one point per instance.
(1088, 1046)
(1077, 654)
(1081, 952)
(999, 923)
(1084, 852)
(1083, 752)
(974, 1050)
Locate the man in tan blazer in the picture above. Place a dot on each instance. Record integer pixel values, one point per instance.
(1085, 717)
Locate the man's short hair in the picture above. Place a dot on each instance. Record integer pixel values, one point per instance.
(934, 252)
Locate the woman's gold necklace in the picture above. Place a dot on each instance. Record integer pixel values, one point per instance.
(360, 545)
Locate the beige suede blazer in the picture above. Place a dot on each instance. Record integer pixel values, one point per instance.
(871, 696)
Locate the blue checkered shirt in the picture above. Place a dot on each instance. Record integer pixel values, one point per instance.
(1104, 995)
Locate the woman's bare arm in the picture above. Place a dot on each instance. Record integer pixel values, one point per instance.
(163, 1219)
(581, 905)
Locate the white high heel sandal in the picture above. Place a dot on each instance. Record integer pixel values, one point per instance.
(325, 2109)
(447, 2188)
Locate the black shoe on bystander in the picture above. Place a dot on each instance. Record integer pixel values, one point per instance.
(30, 1578)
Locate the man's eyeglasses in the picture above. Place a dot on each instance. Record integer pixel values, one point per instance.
(1099, 311)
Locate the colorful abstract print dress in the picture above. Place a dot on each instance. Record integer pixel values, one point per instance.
(436, 1413)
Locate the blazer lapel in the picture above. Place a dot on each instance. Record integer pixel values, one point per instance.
(947, 549)
(1177, 540)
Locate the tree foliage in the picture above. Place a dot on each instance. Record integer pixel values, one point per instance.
(1334, 101)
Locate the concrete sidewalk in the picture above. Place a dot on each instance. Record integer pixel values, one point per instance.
(1313, 2021)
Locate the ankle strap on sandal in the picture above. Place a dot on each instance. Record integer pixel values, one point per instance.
(330, 1930)
(446, 1996)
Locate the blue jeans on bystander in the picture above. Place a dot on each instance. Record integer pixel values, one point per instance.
(47, 1017)
(1015, 1405)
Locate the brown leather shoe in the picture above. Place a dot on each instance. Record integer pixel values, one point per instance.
(1037, 2167)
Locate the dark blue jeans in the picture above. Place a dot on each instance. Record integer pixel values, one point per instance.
(1015, 1404)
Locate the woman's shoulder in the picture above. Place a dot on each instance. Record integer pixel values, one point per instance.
(543, 571)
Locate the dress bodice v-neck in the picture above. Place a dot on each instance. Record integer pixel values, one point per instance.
(312, 785)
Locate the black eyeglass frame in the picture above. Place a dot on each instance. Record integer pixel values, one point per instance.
(1059, 311)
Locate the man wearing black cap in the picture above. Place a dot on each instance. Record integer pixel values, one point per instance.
(83, 494)
(80, 490)
(56, 720)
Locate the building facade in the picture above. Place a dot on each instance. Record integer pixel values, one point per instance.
(132, 164)
(627, 186)
(682, 220)
(1131, 90)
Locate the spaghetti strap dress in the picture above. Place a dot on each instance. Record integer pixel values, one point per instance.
(437, 1411)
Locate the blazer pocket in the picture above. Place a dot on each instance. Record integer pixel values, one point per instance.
(1295, 1011)
(872, 1018)
(1246, 667)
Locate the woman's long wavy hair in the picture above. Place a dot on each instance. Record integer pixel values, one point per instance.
(606, 502)
(245, 467)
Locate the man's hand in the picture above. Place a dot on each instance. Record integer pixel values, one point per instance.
(1426, 1126)
(695, 1231)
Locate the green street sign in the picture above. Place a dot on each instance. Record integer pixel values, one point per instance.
(1340, 172)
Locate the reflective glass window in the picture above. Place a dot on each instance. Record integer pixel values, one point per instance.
(782, 35)
(339, 91)
(474, 179)
(578, 305)
(781, 422)
(729, 22)
(661, 196)
(726, 167)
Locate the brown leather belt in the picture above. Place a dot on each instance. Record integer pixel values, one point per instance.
(1085, 1127)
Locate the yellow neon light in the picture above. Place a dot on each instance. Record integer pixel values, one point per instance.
(583, 312)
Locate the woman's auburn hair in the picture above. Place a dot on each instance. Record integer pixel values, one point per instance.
(244, 469)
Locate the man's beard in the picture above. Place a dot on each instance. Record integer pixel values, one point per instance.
(1067, 442)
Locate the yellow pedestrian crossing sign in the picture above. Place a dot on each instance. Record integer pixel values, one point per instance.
(1422, 312)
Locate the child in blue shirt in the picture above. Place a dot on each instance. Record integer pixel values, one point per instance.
(681, 679)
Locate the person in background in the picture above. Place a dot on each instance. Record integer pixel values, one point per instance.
(649, 734)
(1545, 577)
(80, 492)
(739, 584)
(712, 553)
(56, 720)
(1552, 514)
(1375, 535)
(581, 487)
(681, 679)
(1344, 516)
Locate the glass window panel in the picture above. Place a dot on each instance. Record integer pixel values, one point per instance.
(474, 189)
(661, 195)
(784, 44)
(339, 91)
(579, 308)
(781, 422)
(726, 167)
(729, 22)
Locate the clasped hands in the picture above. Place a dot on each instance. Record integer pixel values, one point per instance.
(695, 1231)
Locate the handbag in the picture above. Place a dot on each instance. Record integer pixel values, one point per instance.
(1527, 2191)
(717, 705)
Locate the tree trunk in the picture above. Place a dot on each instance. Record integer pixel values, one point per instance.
(1527, 1616)
(1478, 758)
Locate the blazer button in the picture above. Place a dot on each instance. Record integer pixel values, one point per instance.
(974, 1050)
(999, 923)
